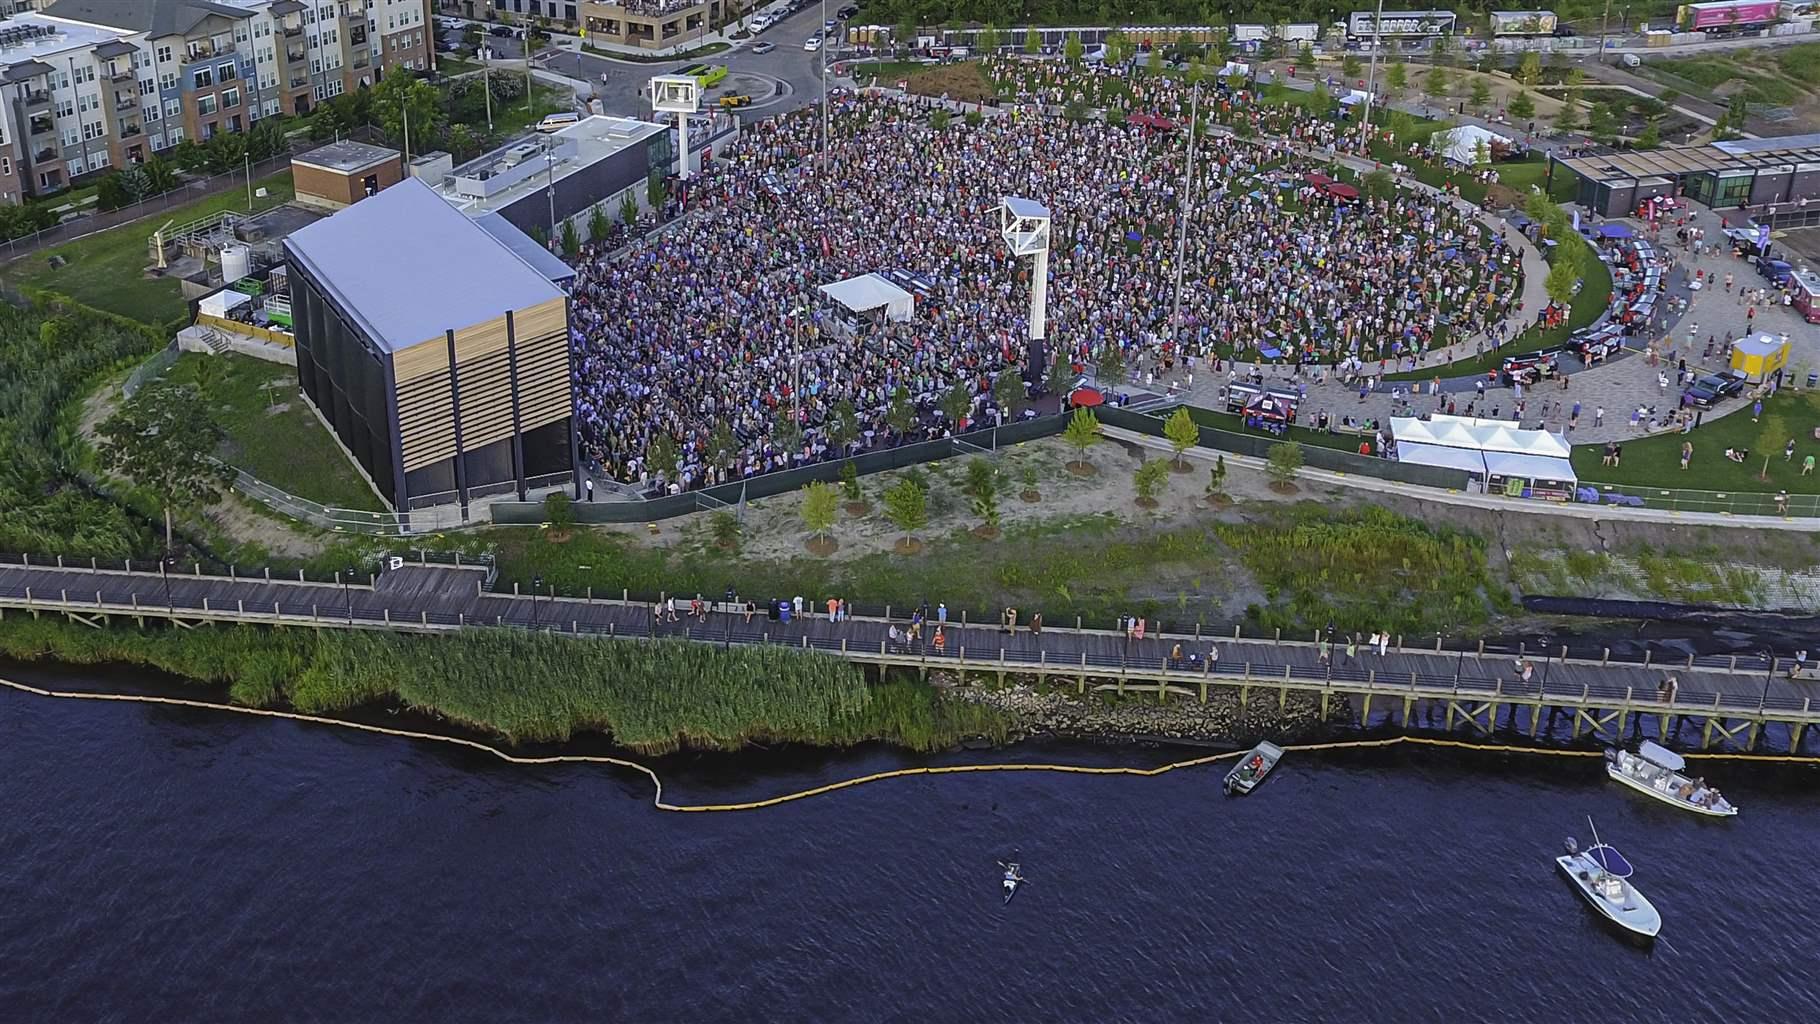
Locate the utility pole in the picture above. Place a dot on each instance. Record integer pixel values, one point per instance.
(1604, 20)
(486, 84)
(248, 157)
(1371, 76)
(824, 52)
(1184, 210)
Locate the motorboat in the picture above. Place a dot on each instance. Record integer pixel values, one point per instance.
(1656, 771)
(1251, 769)
(1013, 879)
(1602, 875)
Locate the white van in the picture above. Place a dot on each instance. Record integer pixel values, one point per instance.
(1631, 60)
(557, 122)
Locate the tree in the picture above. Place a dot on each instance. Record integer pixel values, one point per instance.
(982, 478)
(400, 93)
(956, 403)
(160, 176)
(598, 225)
(1154, 63)
(559, 512)
(1522, 105)
(1601, 124)
(1350, 67)
(1529, 69)
(787, 431)
(1060, 375)
(989, 41)
(1651, 136)
(843, 427)
(1564, 275)
(571, 239)
(1109, 368)
(1149, 480)
(939, 118)
(1072, 49)
(1481, 154)
(849, 483)
(1569, 117)
(1082, 431)
(1436, 82)
(1305, 56)
(1181, 432)
(1008, 391)
(722, 445)
(1396, 76)
(628, 210)
(986, 507)
(657, 189)
(164, 440)
(1285, 461)
(111, 192)
(820, 503)
(1441, 51)
(905, 34)
(907, 506)
(1216, 477)
(1481, 93)
(664, 456)
(1770, 439)
(900, 415)
(1032, 42)
(1378, 184)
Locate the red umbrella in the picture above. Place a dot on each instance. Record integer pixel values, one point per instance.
(1086, 398)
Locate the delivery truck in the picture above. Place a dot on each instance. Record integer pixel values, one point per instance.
(1523, 23)
(1726, 16)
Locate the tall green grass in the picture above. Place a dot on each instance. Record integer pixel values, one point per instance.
(649, 696)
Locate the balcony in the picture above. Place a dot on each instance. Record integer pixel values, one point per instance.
(118, 73)
(294, 55)
(42, 126)
(357, 35)
(130, 130)
(299, 81)
(47, 155)
(293, 30)
(125, 103)
(37, 98)
(361, 62)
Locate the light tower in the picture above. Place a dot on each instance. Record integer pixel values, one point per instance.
(679, 95)
(1024, 225)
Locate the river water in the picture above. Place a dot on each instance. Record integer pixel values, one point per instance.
(168, 864)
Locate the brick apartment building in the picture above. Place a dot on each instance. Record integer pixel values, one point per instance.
(86, 85)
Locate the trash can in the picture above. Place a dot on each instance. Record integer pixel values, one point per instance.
(1813, 381)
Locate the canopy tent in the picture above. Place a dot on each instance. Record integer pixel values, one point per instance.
(1461, 144)
(1530, 467)
(1497, 450)
(1341, 191)
(869, 292)
(1442, 456)
(219, 303)
(1613, 230)
(1356, 96)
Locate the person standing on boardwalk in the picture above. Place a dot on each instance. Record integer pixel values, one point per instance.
(1352, 647)
(1036, 624)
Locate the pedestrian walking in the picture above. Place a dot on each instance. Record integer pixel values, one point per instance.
(589, 484)
(1036, 624)
(1352, 647)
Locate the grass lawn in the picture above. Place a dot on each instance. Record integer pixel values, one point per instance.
(270, 433)
(510, 119)
(1302, 435)
(1656, 461)
(1595, 294)
(452, 66)
(107, 269)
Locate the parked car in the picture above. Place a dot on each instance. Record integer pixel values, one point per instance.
(812, 44)
(847, 12)
(765, 47)
(1713, 388)
(730, 102)
(502, 31)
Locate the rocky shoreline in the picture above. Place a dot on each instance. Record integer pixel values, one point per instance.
(1138, 716)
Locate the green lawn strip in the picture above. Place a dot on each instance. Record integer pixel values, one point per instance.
(106, 270)
(287, 448)
(1655, 462)
(509, 119)
(1594, 296)
(658, 58)
(451, 66)
(1302, 435)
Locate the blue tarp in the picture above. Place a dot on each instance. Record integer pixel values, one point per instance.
(1613, 231)
(1611, 860)
(1271, 353)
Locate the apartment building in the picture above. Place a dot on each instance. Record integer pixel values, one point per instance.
(655, 23)
(86, 85)
(555, 10)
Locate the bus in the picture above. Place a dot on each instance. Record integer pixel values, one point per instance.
(709, 75)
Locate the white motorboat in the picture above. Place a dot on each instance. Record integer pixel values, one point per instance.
(1252, 768)
(1602, 875)
(1656, 771)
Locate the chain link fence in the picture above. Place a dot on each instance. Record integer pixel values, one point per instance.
(1736, 503)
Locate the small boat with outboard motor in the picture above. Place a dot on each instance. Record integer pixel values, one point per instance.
(1251, 769)
(1602, 875)
(1656, 771)
(1013, 878)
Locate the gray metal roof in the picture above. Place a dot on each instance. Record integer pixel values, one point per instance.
(408, 266)
(526, 248)
(27, 69)
(346, 156)
(155, 18)
(115, 48)
(1742, 147)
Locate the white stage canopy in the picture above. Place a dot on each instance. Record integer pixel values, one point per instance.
(1485, 447)
(868, 292)
(1461, 144)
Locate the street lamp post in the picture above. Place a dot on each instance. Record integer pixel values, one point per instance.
(536, 585)
(170, 605)
(1371, 76)
(347, 589)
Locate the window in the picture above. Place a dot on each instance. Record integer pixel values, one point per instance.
(164, 55)
(157, 142)
(176, 135)
(85, 74)
(86, 102)
(316, 66)
(66, 108)
(168, 80)
(76, 167)
(6, 166)
(60, 80)
(240, 35)
(92, 130)
(230, 98)
(203, 78)
(152, 113)
(147, 87)
(99, 159)
(205, 105)
(331, 36)
(173, 108)
(271, 108)
(226, 73)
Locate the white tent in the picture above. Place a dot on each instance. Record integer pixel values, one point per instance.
(1530, 467)
(1487, 448)
(868, 292)
(1461, 144)
(1353, 97)
(220, 302)
(1440, 455)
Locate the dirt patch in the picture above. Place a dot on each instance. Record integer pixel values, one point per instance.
(1284, 489)
(987, 532)
(1031, 495)
(908, 546)
(858, 508)
(964, 81)
(821, 547)
(1083, 469)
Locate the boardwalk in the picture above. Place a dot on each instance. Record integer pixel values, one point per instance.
(432, 598)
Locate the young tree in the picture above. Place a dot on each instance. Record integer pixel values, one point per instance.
(1151, 477)
(1182, 433)
(1216, 477)
(1154, 63)
(843, 427)
(1651, 136)
(1396, 77)
(900, 415)
(1481, 154)
(571, 239)
(628, 210)
(1072, 49)
(986, 507)
(1061, 373)
(164, 440)
(1305, 56)
(1481, 93)
(989, 41)
(1602, 124)
(787, 431)
(1522, 105)
(907, 506)
(1109, 368)
(1378, 184)
(1770, 439)
(1285, 461)
(820, 503)
(849, 483)
(559, 512)
(1032, 41)
(400, 93)
(1529, 69)
(1350, 68)
(1437, 82)
(1082, 431)
(722, 445)
(598, 225)
(939, 118)
(1008, 391)
(956, 403)
(657, 189)
(664, 456)
(1569, 117)
(1564, 274)
(982, 478)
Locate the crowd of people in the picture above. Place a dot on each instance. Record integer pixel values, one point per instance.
(718, 319)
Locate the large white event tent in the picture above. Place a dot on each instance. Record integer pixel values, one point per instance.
(869, 292)
(1507, 457)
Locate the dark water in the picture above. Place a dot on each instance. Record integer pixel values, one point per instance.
(194, 866)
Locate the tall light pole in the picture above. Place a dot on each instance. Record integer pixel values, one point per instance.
(1604, 22)
(1024, 225)
(679, 95)
(1183, 208)
(1371, 76)
(823, 29)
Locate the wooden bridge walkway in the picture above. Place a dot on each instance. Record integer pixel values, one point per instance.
(1475, 685)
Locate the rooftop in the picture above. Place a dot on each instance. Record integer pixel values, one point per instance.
(30, 36)
(408, 266)
(581, 145)
(1671, 161)
(153, 17)
(346, 156)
